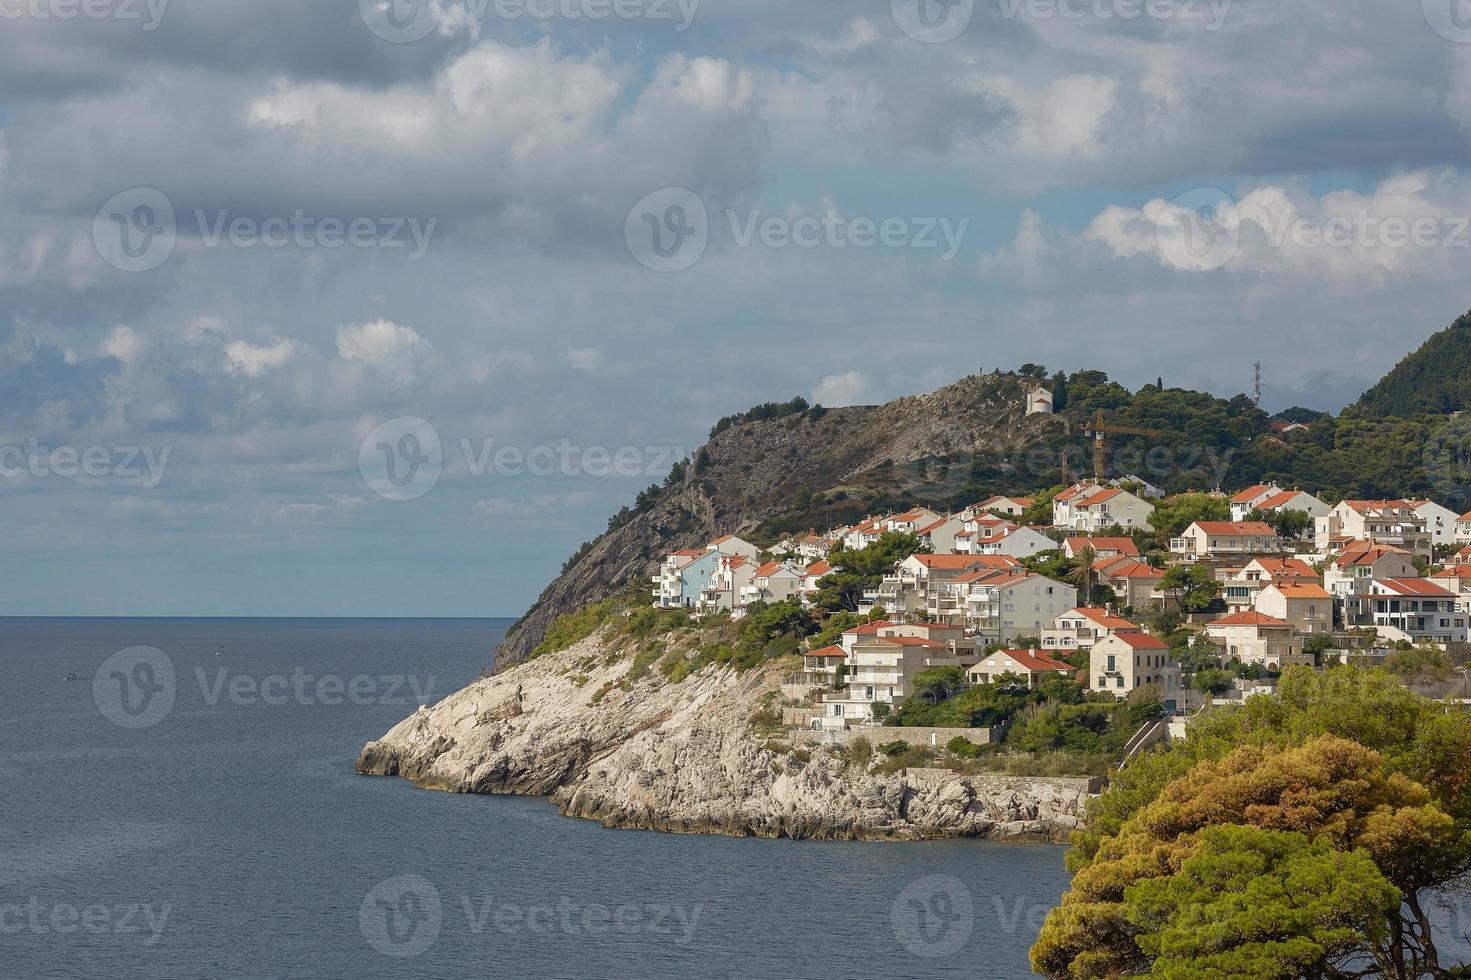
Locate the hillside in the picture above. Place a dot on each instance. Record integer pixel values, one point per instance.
(1435, 379)
(787, 468)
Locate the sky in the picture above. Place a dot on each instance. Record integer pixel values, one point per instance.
(382, 308)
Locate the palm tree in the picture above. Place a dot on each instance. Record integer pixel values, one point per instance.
(1082, 572)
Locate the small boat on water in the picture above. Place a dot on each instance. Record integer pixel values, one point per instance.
(221, 651)
(71, 676)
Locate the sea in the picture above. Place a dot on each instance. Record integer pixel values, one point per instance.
(185, 807)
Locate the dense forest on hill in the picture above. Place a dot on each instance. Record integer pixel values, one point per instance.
(1434, 379)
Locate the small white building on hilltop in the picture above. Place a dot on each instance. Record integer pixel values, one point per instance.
(1039, 402)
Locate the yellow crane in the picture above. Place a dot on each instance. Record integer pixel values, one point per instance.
(1099, 430)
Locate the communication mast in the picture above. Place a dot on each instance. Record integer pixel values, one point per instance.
(1256, 382)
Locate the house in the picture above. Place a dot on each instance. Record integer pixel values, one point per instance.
(1463, 529)
(1135, 583)
(1247, 500)
(1418, 607)
(729, 544)
(731, 575)
(1440, 521)
(1307, 606)
(1386, 522)
(882, 663)
(1039, 402)
(1001, 605)
(1350, 574)
(1256, 638)
(683, 577)
(863, 534)
(1034, 666)
(1017, 542)
(1101, 509)
(819, 671)
(1121, 662)
(939, 535)
(1103, 547)
(1298, 500)
(1221, 539)
(811, 546)
(1240, 586)
(1079, 629)
(772, 582)
(1457, 579)
(1012, 506)
(813, 574)
(1149, 490)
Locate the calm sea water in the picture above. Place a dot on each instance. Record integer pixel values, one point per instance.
(225, 834)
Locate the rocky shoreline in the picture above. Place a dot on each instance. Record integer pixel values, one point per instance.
(639, 753)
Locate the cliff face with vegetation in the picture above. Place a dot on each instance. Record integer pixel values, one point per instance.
(797, 470)
(609, 739)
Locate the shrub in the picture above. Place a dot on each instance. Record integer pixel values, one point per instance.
(860, 750)
(895, 747)
(573, 627)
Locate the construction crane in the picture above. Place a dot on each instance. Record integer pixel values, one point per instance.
(1099, 430)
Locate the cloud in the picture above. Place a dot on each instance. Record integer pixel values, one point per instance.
(840, 390)
(397, 352)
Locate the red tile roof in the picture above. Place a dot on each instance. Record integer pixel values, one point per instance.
(1141, 641)
(1106, 619)
(1251, 493)
(1413, 586)
(1250, 618)
(1240, 529)
(832, 653)
(1037, 660)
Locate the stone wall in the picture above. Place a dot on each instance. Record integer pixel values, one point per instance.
(882, 735)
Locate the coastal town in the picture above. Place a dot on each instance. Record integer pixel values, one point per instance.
(1110, 584)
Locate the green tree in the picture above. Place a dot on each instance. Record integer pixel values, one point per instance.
(858, 570)
(937, 684)
(1172, 516)
(1345, 756)
(1192, 587)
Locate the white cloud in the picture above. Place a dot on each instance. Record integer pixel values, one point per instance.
(252, 360)
(396, 351)
(585, 359)
(839, 390)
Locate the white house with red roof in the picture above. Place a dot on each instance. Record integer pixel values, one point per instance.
(1241, 585)
(1033, 666)
(1016, 542)
(1462, 533)
(882, 661)
(1002, 606)
(1286, 500)
(1419, 608)
(1246, 501)
(1014, 506)
(773, 582)
(683, 577)
(1306, 605)
(815, 573)
(1226, 539)
(1121, 662)
(1089, 507)
(1134, 582)
(1080, 628)
(731, 575)
(1440, 520)
(1256, 638)
(1385, 522)
(1103, 547)
(1350, 575)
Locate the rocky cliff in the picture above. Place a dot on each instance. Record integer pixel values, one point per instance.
(812, 468)
(684, 757)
